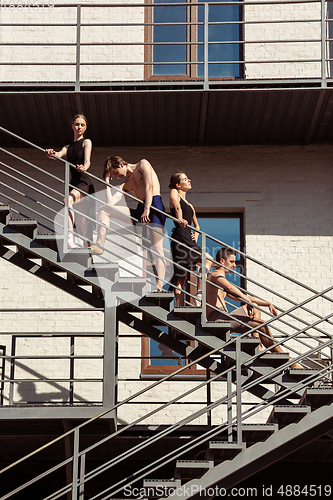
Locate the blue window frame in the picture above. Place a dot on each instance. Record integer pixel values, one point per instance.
(179, 46)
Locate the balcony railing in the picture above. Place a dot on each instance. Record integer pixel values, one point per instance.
(199, 44)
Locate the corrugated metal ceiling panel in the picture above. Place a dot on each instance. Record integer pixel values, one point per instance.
(174, 117)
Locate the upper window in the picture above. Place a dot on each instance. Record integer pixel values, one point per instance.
(177, 35)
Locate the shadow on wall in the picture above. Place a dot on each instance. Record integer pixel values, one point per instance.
(29, 395)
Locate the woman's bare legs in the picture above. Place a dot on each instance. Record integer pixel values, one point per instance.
(179, 292)
(75, 197)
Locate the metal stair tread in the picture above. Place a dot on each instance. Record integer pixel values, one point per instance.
(194, 464)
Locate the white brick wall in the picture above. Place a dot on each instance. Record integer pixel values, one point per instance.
(296, 28)
(288, 227)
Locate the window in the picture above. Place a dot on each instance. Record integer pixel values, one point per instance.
(176, 33)
(224, 227)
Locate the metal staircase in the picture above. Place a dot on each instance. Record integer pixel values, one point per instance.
(215, 456)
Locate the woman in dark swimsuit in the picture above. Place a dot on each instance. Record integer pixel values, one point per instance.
(79, 154)
(185, 251)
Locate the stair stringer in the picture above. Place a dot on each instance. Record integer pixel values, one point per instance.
(41, 272)
(261, 455)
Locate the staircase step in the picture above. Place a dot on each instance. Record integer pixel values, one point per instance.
(225, 450)
(81, 256)
(161, 488)
(163, 299)
(135, 285)
(275, 359)
(299, 373)
(287, 414)
(109, 271)
(190, 314)
(317, 397)
(217, 328)
(189, 469)
(4, 214)
(27, 227)
(253, 433)
(51, 241)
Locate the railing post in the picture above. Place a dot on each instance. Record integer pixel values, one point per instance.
(203, 277)
(110, 350)
(82, 473)
(209, 399)
(71, 369)
(229, 406)
(75, 463)
(323, 44)
(78, 47)
(206, 84)
(12, 371)
(239, 389)
(66, 214)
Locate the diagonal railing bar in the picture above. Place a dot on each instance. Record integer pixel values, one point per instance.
(172, 428)
(286, 312)
(264, 287)
(27, 196)
(254, 382)
(127, 400)
(246, 387)
(30, 209)
(209, 434)
(316, 338)
(33, 180)
(35, 167)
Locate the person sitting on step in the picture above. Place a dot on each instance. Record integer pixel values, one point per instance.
(246, 313)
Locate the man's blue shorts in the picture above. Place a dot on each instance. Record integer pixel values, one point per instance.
(155, 217)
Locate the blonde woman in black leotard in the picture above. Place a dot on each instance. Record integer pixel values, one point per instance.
(185, 251)
(78, 153)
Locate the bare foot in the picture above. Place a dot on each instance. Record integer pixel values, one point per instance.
(96, 250)
(296, 365)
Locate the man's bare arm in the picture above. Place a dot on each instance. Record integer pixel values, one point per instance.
(112, 199)
(233, 292)
(146, 170)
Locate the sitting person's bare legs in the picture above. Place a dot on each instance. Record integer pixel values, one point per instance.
(264, 340)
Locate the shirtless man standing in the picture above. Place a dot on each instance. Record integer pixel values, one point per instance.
(142, 181)
(246, 313)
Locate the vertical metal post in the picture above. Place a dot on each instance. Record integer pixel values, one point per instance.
(78, 47)
(239, 389)
(206, 84)
(82, 473)
(229, 407)
(71, 370)
(110, 350)
(323, 44)
(75, 463)
(66, 214)
(209, 399)
(203, 276)
(12, 371)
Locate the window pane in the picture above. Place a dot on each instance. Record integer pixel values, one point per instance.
(169, 33)
(220, 33)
